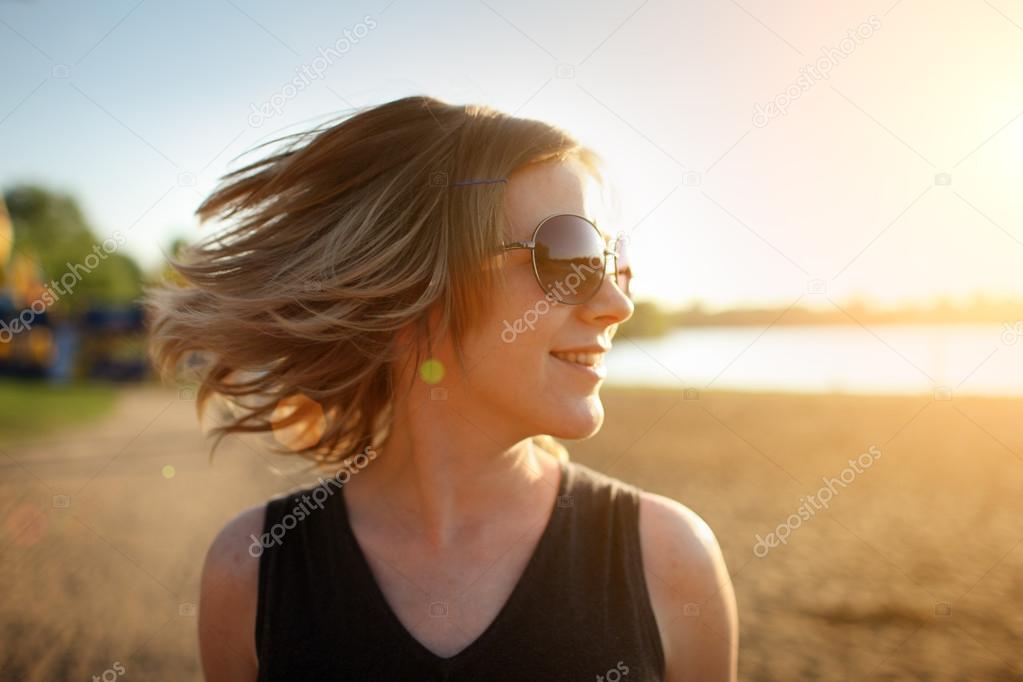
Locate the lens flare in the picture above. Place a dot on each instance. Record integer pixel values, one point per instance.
(432, 371)
(298, 422)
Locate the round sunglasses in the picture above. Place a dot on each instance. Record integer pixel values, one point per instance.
(570, 258)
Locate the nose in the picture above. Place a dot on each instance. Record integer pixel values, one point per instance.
(609, 304)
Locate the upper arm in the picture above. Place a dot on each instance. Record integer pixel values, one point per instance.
(227, 601)
(690, 591)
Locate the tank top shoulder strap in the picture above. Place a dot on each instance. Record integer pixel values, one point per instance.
(598, 528)
(298, 552)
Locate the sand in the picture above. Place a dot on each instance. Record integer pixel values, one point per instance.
(911, 571)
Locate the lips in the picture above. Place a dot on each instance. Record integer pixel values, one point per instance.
(589, 365)
(588, 359)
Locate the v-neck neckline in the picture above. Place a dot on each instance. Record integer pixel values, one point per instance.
(369, 580)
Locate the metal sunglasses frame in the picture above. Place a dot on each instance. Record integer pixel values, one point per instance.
(613, 252)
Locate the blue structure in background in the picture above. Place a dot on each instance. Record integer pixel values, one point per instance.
(103, 342)
(65, 340)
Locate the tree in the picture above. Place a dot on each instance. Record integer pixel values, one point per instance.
(49, 229)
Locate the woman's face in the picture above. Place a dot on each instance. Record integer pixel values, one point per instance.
(514, 382)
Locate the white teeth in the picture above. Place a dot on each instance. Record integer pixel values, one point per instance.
(589, 359)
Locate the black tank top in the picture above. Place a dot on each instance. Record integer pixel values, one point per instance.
(580, 610)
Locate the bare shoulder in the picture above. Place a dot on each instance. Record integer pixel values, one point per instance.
(690, 591)
(680, 540)
(227, 600)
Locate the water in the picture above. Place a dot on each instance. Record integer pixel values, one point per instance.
(977, 359)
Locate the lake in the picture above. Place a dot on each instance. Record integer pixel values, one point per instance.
(977, 359)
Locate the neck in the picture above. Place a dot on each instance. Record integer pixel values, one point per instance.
(445, 478)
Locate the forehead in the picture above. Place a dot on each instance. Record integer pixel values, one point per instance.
(541, 190)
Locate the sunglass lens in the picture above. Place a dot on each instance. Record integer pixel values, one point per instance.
(569, 258)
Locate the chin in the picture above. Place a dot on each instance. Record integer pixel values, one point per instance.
(579, 420)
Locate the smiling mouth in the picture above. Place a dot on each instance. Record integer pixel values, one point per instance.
(585, 359)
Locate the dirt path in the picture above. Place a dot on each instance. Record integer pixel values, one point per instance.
(915, 566)
(104, 530)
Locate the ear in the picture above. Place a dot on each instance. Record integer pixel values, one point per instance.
(412, 344)
(409, 336)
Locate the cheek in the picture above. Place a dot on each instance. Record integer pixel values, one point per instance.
(530, 325)
(522, 314)
(512, 347)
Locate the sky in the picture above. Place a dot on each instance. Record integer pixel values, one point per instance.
(762, 153)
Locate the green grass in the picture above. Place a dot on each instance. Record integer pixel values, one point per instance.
(29, 406)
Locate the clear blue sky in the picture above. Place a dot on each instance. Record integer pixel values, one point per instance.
(138, 107)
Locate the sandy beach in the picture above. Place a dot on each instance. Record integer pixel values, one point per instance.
(910, 567)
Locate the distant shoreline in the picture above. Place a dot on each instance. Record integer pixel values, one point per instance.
(651, 319)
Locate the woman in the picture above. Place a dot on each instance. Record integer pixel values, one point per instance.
(426, 292)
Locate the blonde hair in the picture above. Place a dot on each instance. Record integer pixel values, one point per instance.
(340, 238)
